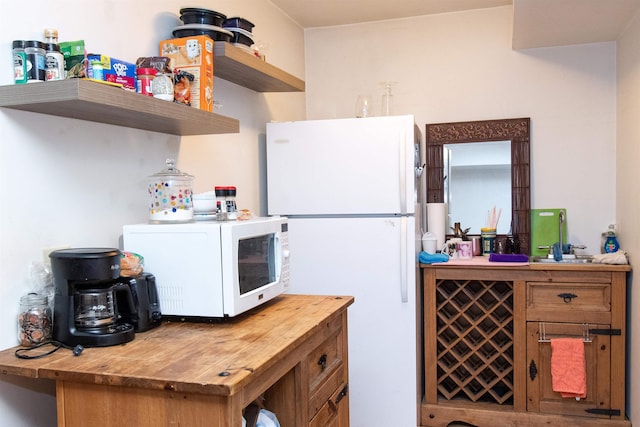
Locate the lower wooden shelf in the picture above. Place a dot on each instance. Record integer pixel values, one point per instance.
(87, 100)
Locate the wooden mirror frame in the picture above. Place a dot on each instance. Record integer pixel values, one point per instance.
(515, 130)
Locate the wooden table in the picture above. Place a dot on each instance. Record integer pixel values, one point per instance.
(193, 374)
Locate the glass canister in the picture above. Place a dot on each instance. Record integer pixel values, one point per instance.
(170, 193)
(34, 320)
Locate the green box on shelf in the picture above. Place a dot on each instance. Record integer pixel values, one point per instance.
(73, 52)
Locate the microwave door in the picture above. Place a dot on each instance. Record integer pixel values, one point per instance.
(254, 266)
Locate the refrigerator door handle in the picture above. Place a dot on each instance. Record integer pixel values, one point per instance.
(403, 173)
(404, 286)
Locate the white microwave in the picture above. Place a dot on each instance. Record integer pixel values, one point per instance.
(213, 269)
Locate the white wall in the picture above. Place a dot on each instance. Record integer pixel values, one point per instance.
(628, 189)
(460, 66)
(69, 182)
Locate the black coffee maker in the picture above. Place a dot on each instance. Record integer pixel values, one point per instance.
(90, 297)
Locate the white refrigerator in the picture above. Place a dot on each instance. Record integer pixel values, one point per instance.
(352, 190)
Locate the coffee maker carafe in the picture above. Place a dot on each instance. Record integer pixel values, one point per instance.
(89, 298)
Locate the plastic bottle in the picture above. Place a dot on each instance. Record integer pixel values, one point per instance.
(230, 199)
(221, 203)
(611, 241)
(387, 100)
(35, 54)
(19, 62)
(97, 70)
(144, 80)
(54, 62)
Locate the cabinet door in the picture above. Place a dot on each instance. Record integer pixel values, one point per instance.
(540, 395)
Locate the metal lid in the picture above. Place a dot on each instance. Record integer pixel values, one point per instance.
(171, 172)
(34, 43)
(51, 32)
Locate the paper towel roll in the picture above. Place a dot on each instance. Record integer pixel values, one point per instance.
(437, 221)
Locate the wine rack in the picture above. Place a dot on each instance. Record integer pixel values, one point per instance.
(475, 340)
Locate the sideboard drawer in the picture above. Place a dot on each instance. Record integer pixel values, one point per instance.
(568, 301)
(322, 363)
(334, 411)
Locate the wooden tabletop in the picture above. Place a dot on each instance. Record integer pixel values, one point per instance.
(208, 358)
(483, 262)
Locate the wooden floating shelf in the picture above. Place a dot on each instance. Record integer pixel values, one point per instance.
(86, 100)
(237, 66)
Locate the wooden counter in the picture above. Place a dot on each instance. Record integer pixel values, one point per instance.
(487, 332)
(192, 374)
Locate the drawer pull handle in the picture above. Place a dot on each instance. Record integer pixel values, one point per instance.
(323, 362)
(567, 297)
(333, 405)
(343, 393)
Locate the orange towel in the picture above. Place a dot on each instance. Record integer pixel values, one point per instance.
(568, 367)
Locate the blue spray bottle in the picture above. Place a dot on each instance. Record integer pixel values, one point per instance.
(610, 241)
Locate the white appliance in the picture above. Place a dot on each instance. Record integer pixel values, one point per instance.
(213, 269)
(350, 190)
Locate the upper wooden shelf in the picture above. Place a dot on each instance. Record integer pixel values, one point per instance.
(237, 66)
(96, 102)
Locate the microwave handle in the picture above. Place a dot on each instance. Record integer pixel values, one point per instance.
(281, 254)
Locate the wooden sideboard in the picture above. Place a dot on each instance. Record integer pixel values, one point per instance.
(487, 333)
(291, 354)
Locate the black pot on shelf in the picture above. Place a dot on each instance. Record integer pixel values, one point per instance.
(237, 22)
(241, 36)
(194, 15)
(189, 30)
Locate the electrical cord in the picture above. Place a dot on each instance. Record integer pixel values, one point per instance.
(57, 345)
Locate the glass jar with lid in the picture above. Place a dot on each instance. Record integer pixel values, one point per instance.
(170, 195)
(34, 320)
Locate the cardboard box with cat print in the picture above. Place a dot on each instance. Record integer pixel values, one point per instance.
(192, 64)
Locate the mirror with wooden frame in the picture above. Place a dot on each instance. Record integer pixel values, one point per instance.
(516, 131)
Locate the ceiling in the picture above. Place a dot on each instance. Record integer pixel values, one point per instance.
(536, 23)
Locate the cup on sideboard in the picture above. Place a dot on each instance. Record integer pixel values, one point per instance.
(476, 245)
(465, 249)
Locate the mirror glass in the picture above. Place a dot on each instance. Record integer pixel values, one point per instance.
(447, 142)
(477, 178)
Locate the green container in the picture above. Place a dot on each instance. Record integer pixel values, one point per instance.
(488, 236)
